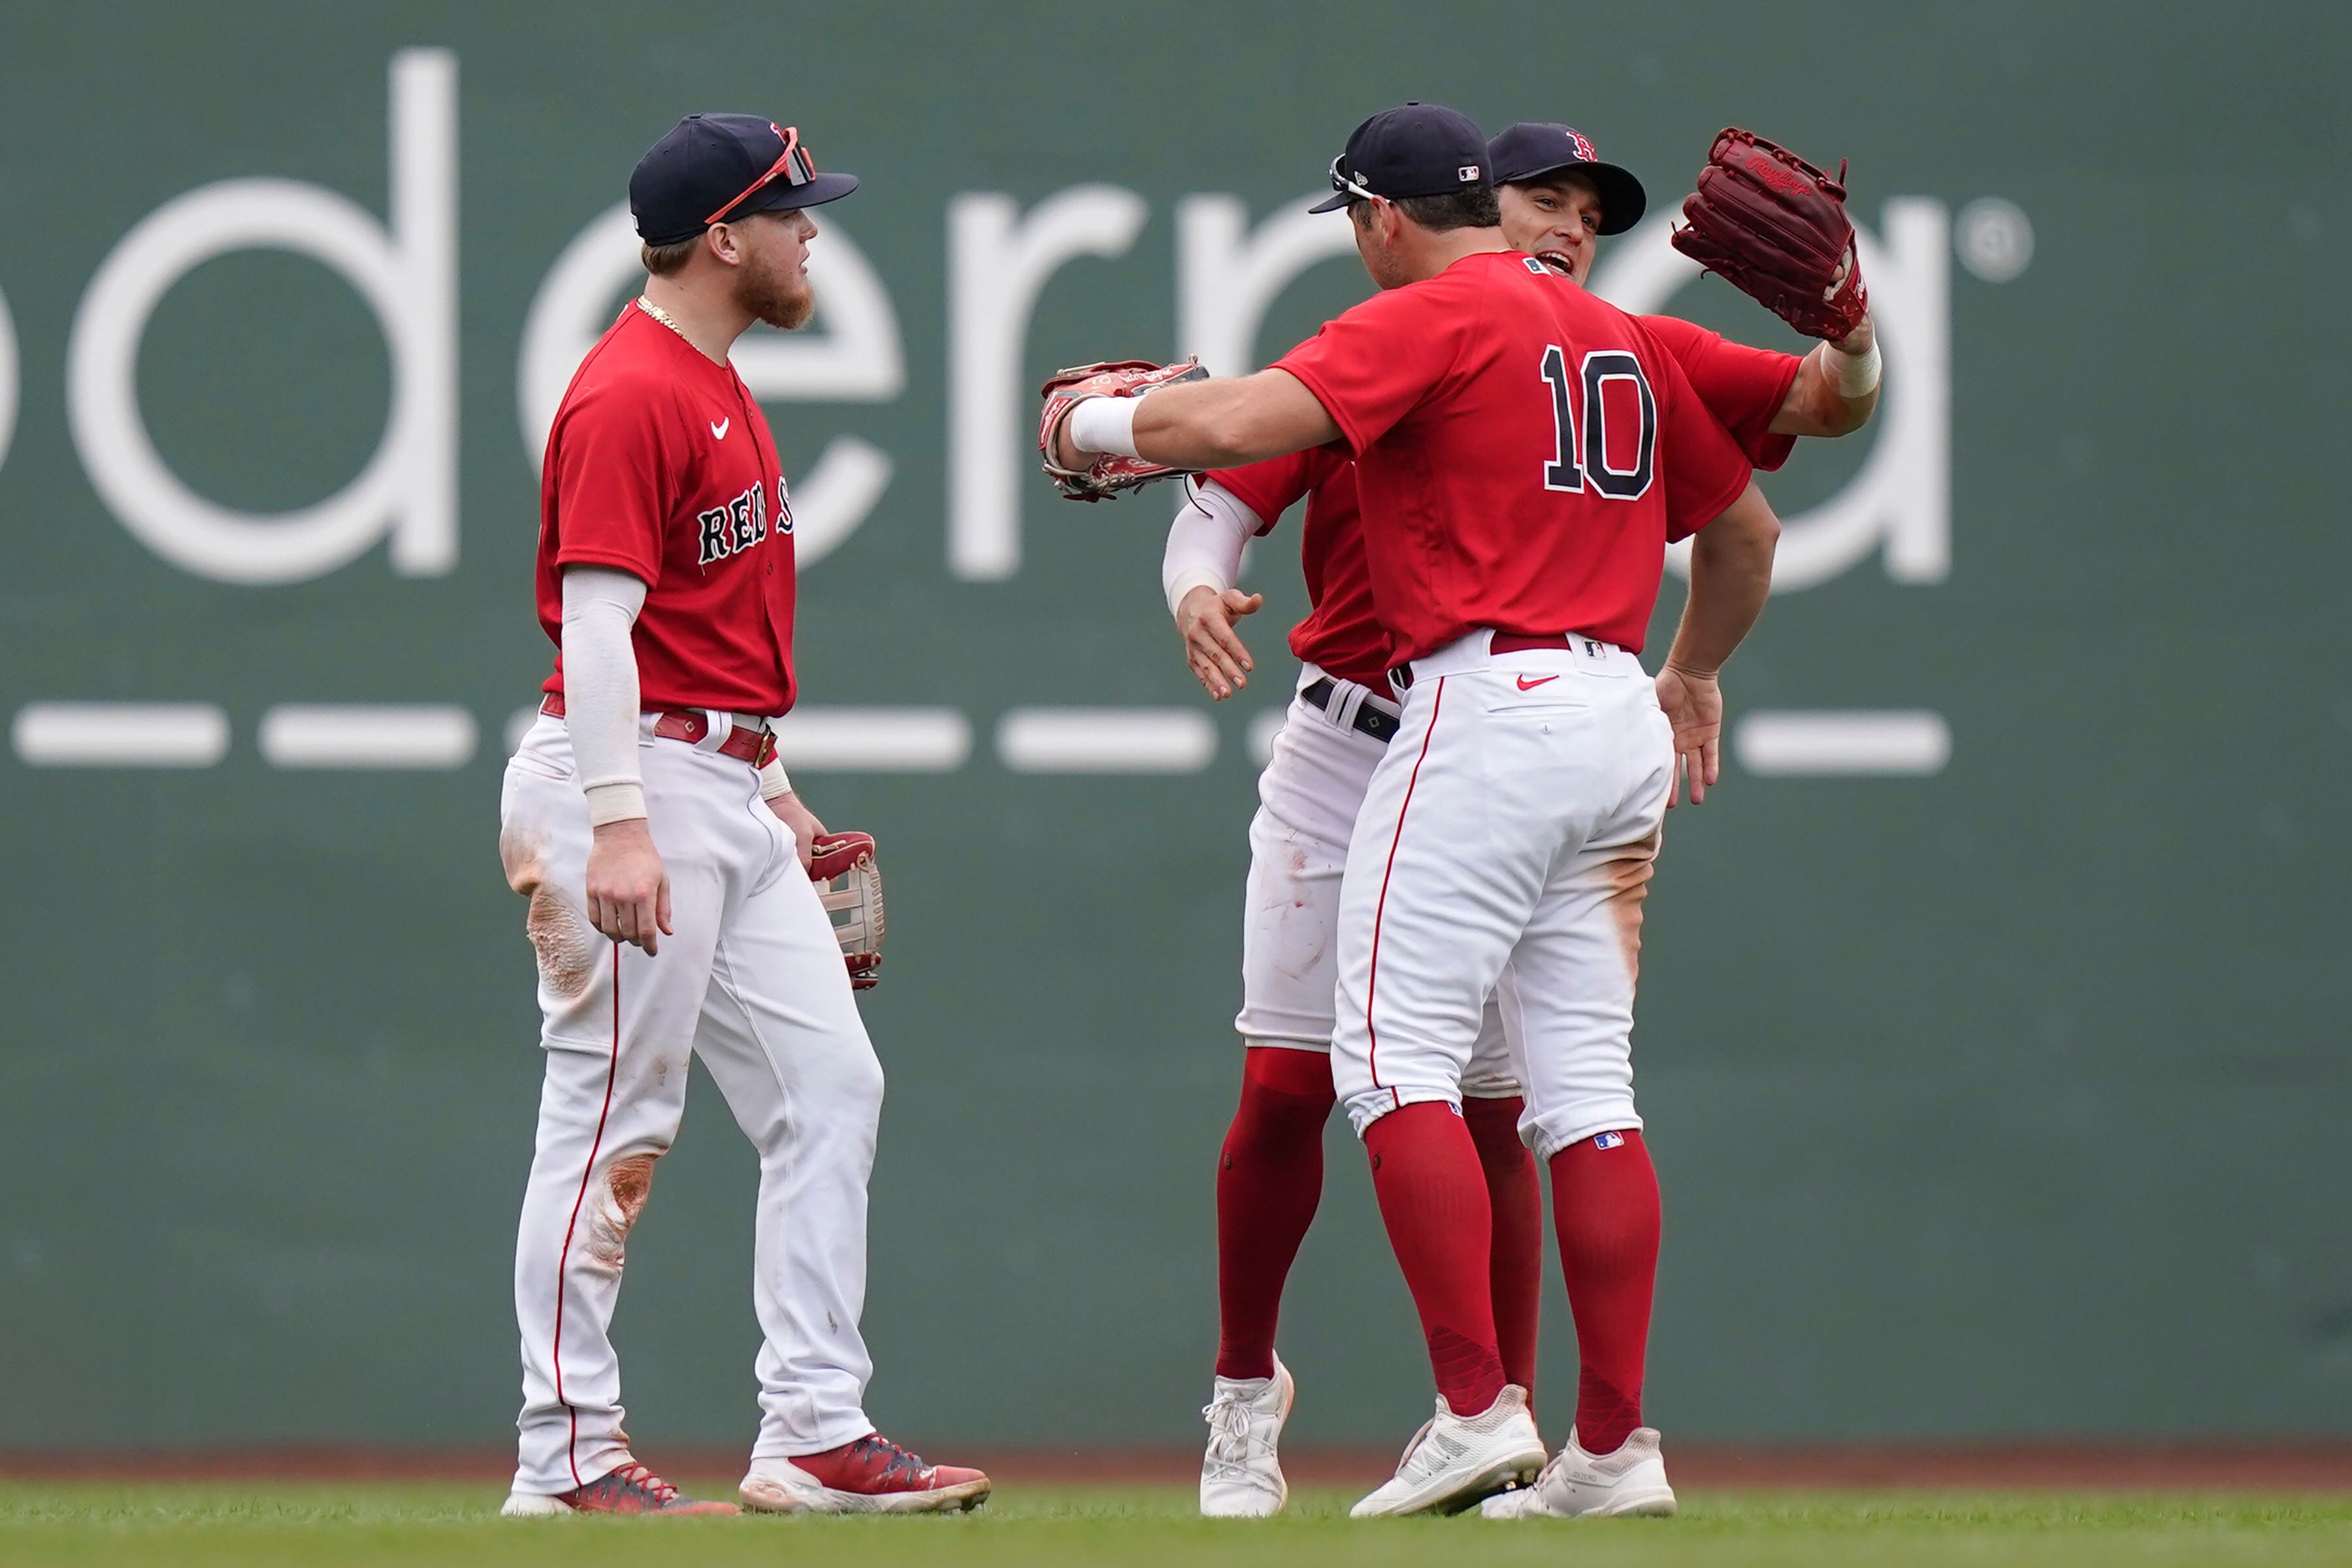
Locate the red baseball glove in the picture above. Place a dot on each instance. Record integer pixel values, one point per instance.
(849, 886)
(1775, 227)
(1106, 378)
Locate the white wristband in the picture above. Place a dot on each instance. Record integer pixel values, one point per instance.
(772, 782)
(614, 802)
(1105, 425)
(1851, 375)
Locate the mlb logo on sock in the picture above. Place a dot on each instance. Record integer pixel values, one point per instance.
(1609, 1140)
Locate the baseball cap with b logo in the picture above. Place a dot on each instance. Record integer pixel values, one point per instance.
(1413, 150)
(717, 168)
(1532, 148)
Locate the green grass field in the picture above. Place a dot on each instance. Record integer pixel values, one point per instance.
(245, 1524)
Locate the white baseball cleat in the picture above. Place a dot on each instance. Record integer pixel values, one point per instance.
(1576, 1485)
(1455, 1460)
(1241, 1475)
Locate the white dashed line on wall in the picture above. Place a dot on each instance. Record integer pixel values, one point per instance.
(1794, 744)
(385, 736)
(119, 734)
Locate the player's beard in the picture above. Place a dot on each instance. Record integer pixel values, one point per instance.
(774, 294)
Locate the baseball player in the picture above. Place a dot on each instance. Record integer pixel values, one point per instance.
(1524, 453)
(668, 863)
(1551, 197)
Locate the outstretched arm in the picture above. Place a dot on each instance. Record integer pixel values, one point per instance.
(1216, 424)
(1731, 574)
(1837, 389)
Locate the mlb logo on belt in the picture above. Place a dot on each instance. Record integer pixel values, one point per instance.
(1609, 1140)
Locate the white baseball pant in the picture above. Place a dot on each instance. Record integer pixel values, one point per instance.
(753, 982)
(1308, 795)
(1504, 845)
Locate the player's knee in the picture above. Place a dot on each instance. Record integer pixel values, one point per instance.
(618, 1199)
(852, 1082)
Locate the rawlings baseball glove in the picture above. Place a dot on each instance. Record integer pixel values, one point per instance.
(1106, 378)
(1775, 227)
(849, 886)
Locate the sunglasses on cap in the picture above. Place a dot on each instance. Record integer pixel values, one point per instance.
(793, 163)
(1347, 184)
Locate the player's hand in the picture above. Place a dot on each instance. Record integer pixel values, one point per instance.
(806, 829)
(1693, 705)
(1204, 619)
(628, 888)
(1067, 452)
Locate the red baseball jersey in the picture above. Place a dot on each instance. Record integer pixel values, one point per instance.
(1741, 386)
(1524, 451)
(1341, 632)
(660, 464)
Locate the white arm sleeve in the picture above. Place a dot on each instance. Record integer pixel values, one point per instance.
(600, 688)
(1204, 543)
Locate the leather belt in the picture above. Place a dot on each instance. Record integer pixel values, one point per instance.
(1369, 720)
(752, 746)
(1401, 676)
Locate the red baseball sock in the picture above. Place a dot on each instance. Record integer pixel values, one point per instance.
(1515, 1265)
(1432, 1195)
(1269, 1179)
(1604, 1203)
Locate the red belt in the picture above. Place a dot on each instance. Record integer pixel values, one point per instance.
(753, 746)
(1502, 642)
(1511, 642)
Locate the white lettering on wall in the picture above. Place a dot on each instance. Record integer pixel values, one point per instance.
(998, 262)
(406, 270)
(1901, 499)
(849, 353)
(9, 379)
(1226, 279)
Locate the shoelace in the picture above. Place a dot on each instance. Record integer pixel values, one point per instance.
(896, 1461)
(1228, 1425)
(660, 1490)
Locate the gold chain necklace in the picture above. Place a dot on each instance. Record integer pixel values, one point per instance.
(665, 318)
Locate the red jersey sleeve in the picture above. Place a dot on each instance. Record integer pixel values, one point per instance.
(1741, 386)
(1379, 361)
(1271, 488)
(1705, 468)
(615, 480)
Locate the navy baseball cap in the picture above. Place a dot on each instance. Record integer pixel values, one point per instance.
(1413, 150)
(1534, 148)
(715, 168)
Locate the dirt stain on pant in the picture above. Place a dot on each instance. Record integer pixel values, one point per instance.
(1628, 877)
(619, 1199)
(564, 941)
(559, 929)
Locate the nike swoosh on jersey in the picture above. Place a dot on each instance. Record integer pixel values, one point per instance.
(719, 428)
(1527, 685)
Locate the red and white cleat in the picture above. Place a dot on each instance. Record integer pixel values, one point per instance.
(872, 1474)
(632, 1488)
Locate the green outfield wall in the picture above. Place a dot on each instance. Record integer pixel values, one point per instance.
(1993, 1029)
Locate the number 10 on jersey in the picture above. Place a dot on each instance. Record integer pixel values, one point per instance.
(1577, 404)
